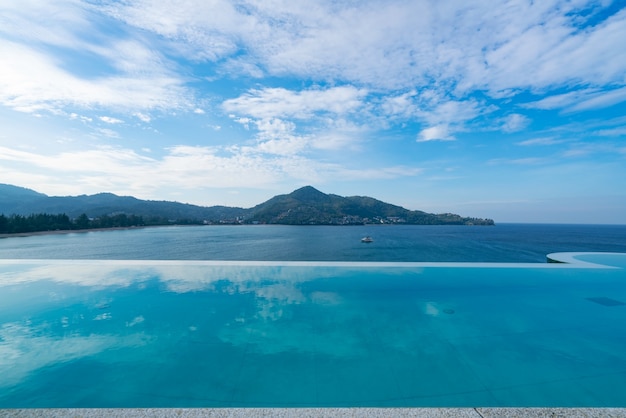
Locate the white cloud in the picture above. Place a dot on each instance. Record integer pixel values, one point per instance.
(452, 50)
(581, 100)
(125, 172)
(601, 100)
(74, 116)
(272, 128)
(435, 133)
(584, 149)
(546, 45)
(143, 117)
(109, 133)
(56, 23)
(133, 58)
(396, 44)
(455, 48)
(559, 101)
(437, 110)
(515, 122)
(111, 120)
(403, 105)
(541, 141)
(280, 102)
(284, 146)
(59, 57)
(243, 121)
(200, 30)
(104, 160)
(339, 135)
(619, 131)
(268, 110)
(34, 81)
(518, 161)
(278, 137)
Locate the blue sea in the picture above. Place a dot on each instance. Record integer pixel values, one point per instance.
(285, 316)
(408, 243)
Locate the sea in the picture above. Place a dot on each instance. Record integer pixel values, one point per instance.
(391, 243)
(125, 318)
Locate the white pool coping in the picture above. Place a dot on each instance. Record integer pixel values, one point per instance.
(572, 258)
(557, 261)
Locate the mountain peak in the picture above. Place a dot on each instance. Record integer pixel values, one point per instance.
(308, 194)
(8, 190)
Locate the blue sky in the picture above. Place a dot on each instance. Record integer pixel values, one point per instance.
(513, 110)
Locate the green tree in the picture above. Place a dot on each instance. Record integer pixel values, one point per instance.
(4, 224)
(82, 222)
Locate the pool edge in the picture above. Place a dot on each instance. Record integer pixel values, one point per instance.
(316, 412)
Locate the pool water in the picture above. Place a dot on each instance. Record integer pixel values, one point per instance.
(294, 334)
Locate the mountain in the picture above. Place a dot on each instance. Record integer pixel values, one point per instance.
(310, 206)
(21, 201)
(304, 206)
(14, 196)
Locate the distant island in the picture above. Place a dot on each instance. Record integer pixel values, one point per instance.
(25, 210)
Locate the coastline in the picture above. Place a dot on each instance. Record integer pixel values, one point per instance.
(73, 231)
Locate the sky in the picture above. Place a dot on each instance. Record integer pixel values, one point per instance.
(507, 109)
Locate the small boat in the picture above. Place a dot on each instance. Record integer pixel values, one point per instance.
(367, 239)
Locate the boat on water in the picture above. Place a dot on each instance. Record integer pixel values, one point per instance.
(367, 239)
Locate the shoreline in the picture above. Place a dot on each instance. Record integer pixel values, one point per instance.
(74, 231)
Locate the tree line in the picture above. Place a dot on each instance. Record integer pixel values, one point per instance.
(41, 222)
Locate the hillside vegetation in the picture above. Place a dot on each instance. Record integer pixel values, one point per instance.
(24, 210)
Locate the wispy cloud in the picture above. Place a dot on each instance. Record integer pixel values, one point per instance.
(280, 102)
(541, 141)
(619, 131)
(560, 44)
(519, 161)
(582, 149)
(600, 100)
(143, 117)
(183, 167)
(515, 123)
(39, 39)
(581, 100)
(34, 81)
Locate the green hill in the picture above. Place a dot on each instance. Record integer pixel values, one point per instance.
(309, 206)
(304, 206)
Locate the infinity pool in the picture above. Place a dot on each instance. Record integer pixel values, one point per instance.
(295, 334)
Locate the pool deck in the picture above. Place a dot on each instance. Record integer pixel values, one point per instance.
(320, 412)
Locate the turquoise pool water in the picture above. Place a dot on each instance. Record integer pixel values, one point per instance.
(284, 334)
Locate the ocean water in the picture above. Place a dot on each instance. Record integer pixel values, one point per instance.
(500, 243)
(281, 316)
